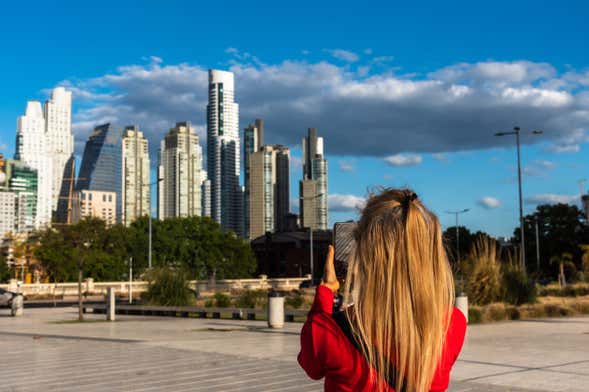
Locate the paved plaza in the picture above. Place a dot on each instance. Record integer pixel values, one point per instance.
(43, 352)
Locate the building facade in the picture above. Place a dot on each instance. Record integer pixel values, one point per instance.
(22, 180)
(96, 204)
(7, 213)
(33, 150)
(101, 163)
(180, 173)
(135, 186)
(223, 150)
(313, 187)
(269, 186)
(253, 139)
(60, 141)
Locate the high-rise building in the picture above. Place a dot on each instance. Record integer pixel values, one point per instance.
(22, 180)
(135, 175)
(33, 150)
(223, 152)
(96, 204)
(101, 163)
(585, 202)
(206, 196)
(60, 142)
(313, 197)
(253, 139)
(7, 216)
(180, 173)
(269, 190)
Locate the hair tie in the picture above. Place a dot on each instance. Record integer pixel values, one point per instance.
(409, 198)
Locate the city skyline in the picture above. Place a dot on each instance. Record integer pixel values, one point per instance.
(402, 107)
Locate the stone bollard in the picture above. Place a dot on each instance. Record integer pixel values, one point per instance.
(17, 306)
(462, 304)
(110, 304)
(275, 309)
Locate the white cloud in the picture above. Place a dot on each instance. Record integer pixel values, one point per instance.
(564, 148)
(440, 157)
(489, 202)
(455, 108)
(344, 55)
(342, 203)
(551, 198)
(403, 159)
(538, 168)
(346, 166)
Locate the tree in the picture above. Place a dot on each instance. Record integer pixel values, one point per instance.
(561, 230)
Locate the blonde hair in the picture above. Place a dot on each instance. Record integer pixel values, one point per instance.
(401, 286)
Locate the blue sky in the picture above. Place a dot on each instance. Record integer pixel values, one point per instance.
(405, 95)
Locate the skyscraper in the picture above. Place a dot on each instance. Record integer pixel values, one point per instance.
(101, 163)
(33, 150)
(180, 173)
(313, 187)
(253, 139)
(22, 181)
(135, 175)
(60, 141)
(223, 152)
(269, 190)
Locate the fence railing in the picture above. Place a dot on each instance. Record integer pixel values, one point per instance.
(137, 287)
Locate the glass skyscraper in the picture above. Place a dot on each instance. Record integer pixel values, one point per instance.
(223, 152)
(101, 163)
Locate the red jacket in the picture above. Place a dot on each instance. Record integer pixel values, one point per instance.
(327, 352)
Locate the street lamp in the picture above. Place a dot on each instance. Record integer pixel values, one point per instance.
(311, 234)
(149, 215)
(516, 131)
(537, 244)
(456, 214)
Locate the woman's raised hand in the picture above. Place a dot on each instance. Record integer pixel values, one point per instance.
(329, 277)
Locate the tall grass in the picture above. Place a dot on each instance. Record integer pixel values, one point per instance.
(168, 287)
(483, 272)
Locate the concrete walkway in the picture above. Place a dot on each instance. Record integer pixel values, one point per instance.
(41, 352)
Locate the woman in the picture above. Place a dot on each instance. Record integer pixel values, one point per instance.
(399, 330)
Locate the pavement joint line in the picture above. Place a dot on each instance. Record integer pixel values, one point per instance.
(68, 337)
(87, 379)
(287, 374)
(79, 359)
(522, 367)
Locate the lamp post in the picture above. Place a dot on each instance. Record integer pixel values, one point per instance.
(456, 214)
(311, 236)
(517, 131)
(149, 215)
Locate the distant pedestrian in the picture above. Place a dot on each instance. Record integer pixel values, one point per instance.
(398, 329)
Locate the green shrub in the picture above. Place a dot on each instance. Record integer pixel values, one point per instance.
(251, 299)
(475, 315)
(517, 287)
(221, 300)
(168, 287)
(295, 301)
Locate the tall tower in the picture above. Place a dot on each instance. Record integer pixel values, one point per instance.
(101, 163)
(135, 175)
(269, 190)
(180, 173)
(313, 187)
(223, 152)
(60, 141)
(33, 150)
(253, 139)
